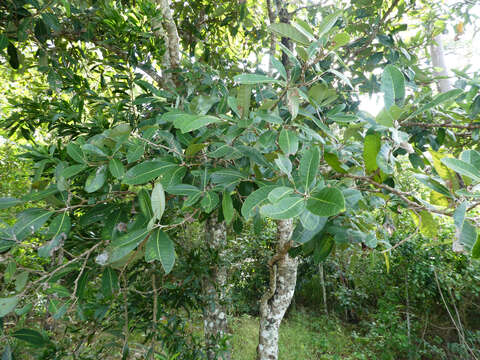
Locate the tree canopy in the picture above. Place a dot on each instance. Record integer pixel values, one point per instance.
(143, 118)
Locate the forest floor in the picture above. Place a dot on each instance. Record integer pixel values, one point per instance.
(302, 337)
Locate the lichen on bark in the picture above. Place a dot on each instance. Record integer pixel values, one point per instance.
(277, 298)
(214, 313)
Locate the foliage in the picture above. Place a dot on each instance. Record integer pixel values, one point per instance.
(130, 148)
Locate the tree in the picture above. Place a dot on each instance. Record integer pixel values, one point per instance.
(143, 142)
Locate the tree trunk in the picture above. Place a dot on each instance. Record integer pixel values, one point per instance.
(275, 302)
(214, 315)
(324, 290)
(438, 61)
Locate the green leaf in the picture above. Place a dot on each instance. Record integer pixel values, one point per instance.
(160, 247)
(476, 249)
(227, 207)
(145, 203)
(341, 39)
(468, 236)
(110, 284)
(73, 170)
(288, 142)
(371, 149)
(322, 94)
(302, 235)
(29, 221)
(387, 117)
(116, 168)
(146, 171)
(31, 336)
(462, 167)
(7, 202)
(243, 99)
(96, 179)
(23, 310)
(76, 153)
(135, 152)
(174, 176)
(210, 201)
(90, 148)
(286, 208)
(327, 23)
(293, 102)
(227, 177)
(433, 184)
(437, 100)
(384, 159)
(122, 246)
(255, 200)
(7, 305)
(40, 195)
(309, 220)
(60, 225)
(326, 202)
(289, 31)
(393, 86)
(254, 79)
(323, 248)
(334, 162)
(183, 189)
(192, 123)
(472, 157)
(158, 201)
(428, 225)
(341, 76)
(279, 193)
(279, 66)
(5, 245)
(309, 166)
(284, 164)
(459, 215)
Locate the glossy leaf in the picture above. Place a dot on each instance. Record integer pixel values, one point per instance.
(371, 149)
(309, 164)
(158, 201)
(326, 202)
(96, 179)
(437, 100)
(31, 336)
(255, 200)
(462, 167)
(124, 245)
(286, 208)
(7, 202)
(284, 164)
(145, 203)
(116, 168)
(303, 235)
(146, 171)
(29, 221)
(289, 31)
(110, 284)
(288, 142)
(7, 305)
(279, 193)
(160, 247)
(76, 153)
(254, 79)
(227, 207)
(393, 86)
(210, 201)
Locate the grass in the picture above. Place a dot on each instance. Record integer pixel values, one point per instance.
(302, 337)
